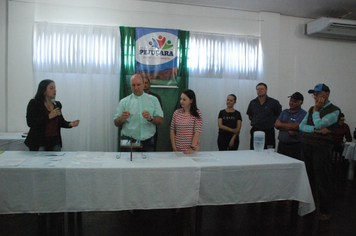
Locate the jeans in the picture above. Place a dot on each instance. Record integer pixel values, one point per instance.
(290, 149)
(50, 144)
(56, 148)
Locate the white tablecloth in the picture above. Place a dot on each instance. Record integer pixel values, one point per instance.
(12, 142)
(12, 136)
(89, 181)
(350, 153)
(244, 177)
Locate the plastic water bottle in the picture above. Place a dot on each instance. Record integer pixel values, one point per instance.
(258, 141)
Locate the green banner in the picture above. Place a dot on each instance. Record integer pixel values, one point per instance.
(170, 95)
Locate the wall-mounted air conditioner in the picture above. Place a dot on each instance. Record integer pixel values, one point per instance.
(332, 28)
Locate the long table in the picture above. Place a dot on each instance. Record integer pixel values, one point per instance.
(350, 154)
(33, 182)
(13, 142)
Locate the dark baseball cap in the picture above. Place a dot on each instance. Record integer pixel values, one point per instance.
(297, 96)
(319, 88)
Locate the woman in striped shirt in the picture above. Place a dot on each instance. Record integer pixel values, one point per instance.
(186, 124)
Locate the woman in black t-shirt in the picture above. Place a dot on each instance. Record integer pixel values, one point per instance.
(229, 122)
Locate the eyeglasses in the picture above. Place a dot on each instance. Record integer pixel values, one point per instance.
(315, 95)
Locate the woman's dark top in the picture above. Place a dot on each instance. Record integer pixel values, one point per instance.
(229, 119)
(37, 119)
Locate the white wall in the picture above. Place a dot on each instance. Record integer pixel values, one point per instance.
(291, 61)
(3, 114)
(307, 61)
(20, 86)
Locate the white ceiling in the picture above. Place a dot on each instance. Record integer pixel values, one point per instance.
(314, 9)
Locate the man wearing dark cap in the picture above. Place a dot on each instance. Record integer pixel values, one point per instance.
(318, 126)
(288, 125)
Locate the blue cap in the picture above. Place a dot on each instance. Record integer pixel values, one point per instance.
(319, 88)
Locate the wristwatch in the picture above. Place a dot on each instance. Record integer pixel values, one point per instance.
(151, 119)
(193, 148)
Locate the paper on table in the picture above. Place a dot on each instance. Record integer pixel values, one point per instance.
(199, 156)
(51, 163)
(85, 156)
(46, 161)
(12, 162)
(87, 163)
(205, 159)
(173, 155)
(51, 154)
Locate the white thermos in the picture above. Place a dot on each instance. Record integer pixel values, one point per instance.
(258, 141)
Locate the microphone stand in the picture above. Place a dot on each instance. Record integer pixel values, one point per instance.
(131, 149)
(133, 144)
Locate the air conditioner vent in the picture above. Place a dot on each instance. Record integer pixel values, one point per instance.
(332, 28)
(346, 26)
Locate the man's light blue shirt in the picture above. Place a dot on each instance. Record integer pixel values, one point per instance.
(136, 126)
(319, 123)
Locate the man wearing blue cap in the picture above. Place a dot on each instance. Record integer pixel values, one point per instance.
(318, 127)
(288, 125)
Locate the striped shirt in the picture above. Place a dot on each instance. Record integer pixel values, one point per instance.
(184, 126)
(319, 123)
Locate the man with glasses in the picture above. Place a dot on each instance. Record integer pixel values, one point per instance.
(318, 127)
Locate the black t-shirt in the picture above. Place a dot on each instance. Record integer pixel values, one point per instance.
(229, 119)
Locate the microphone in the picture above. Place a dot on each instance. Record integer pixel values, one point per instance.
(54, 103)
